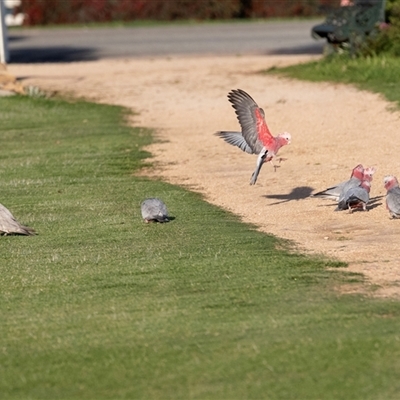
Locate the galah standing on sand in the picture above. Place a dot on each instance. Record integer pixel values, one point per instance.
(355, 198)
(392, 196)
(358, 175)
(154, 209)
(10, 226)
(367, 177)
(255, 137)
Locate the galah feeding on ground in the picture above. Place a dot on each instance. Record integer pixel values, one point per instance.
(358, 175)
(355, 198)
(392, 196)
(255, 137)
(366, 177)
(10, 226)
(154, 209)
(368, 174)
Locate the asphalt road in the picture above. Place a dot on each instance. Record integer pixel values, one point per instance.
(82, 44)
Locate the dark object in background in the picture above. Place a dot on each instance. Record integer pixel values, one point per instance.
(44, 12)
(350, 25)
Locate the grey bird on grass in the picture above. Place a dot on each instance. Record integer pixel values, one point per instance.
(10, 226)
(154, 209)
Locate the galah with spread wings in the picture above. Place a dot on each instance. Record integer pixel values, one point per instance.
(392, 196)
(355, 198)
(255, 137)
(358, 174)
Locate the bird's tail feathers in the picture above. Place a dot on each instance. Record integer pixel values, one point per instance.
(260, 161)
(329, 193)
(162, 218)
(25, 230)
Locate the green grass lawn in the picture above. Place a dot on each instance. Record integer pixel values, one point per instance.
(376, 74)
(100, 305)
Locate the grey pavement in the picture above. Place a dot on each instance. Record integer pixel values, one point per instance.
(83, 44)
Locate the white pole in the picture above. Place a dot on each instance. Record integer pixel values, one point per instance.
(3, 34)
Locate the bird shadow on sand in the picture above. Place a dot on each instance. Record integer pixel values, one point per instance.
(297, 193)
(374, 202)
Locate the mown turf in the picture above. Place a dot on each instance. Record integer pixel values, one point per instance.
(100, 305)
(377, 74)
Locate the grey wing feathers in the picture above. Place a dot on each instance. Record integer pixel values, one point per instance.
(350, 184)
(245, 107)
(154, 209)
(10, 226)
(235, 139)
(393, 202)
(332, 193)
(352, 196)
(337, 192)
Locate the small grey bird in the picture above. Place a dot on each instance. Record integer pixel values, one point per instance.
(154, 209)
(392, 196)
(10, 226)
(355, 198)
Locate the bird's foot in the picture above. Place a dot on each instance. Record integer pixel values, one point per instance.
(275, 167)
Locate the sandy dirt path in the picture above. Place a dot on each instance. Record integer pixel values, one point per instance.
(333, 127)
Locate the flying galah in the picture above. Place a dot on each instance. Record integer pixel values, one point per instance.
(154, 209)
(255, 137)
(355, 197)
(358, 174)
(10, 226)
(392, 196)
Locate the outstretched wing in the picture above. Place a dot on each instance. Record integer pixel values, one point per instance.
(252, 121)
(235, 139)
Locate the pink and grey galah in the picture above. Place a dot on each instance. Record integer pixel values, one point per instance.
(255, 137)
(355, 197)
(358, 174)
(392, 196)
(355, 182)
